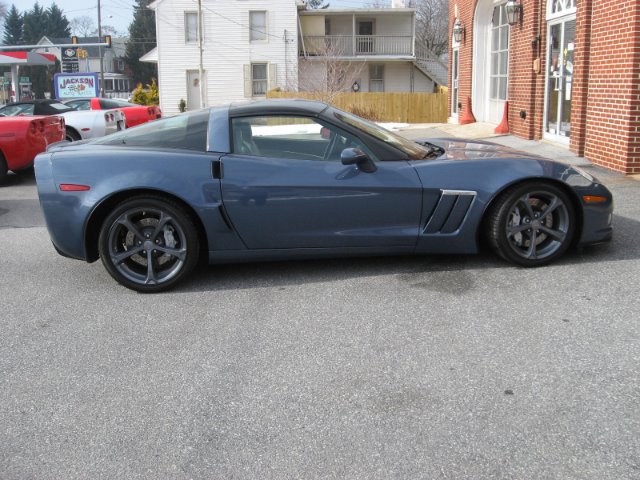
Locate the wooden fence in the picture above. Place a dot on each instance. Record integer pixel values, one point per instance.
(384, 107)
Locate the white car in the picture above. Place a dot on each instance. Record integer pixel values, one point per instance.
(79, 125)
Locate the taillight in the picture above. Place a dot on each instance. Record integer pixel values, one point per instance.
(41, 126)
(62, 123)
(150, 111)
(33, 127)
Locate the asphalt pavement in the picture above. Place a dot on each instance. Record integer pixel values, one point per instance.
(437, 367)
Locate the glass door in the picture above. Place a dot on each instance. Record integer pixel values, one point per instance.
(560, 58)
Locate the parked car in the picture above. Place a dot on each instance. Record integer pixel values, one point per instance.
(79, 125)
(135, 114)
(290, 179)
(22, 138)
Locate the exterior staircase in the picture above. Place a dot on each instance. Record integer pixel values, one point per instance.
(429, 64)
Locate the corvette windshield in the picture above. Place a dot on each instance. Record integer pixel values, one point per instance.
(413, 150)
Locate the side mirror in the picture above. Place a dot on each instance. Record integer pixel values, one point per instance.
(355, 156)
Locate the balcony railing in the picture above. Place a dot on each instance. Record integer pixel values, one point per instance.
(356, 45)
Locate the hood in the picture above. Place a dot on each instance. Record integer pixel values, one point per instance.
(461, 149)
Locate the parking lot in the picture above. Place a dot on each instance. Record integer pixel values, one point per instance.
(445, 367)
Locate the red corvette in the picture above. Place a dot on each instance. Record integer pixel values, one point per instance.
(134, 114)
(22, 138)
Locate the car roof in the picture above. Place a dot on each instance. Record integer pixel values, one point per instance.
(277, 106)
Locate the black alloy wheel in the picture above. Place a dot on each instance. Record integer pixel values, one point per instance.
(149, 244)
(531, 224)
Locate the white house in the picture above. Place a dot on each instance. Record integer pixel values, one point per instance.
(248, 47)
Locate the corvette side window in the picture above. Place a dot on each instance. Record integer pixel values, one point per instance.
(185, 132)
(298, 138)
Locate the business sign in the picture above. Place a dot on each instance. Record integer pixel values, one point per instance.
(70, 54)
(73, 85)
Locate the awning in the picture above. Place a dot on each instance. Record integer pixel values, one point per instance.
(27, 58)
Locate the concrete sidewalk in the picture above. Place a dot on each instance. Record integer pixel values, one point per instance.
(484, 131)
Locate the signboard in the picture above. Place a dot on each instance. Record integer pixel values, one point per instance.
(74, 85)
(70, 54)
(25, 80)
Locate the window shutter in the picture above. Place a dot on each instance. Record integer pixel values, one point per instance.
(273, 82)
(248, 90)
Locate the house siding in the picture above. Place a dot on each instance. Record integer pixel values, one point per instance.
(226, 48)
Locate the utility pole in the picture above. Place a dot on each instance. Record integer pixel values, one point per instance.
(200, 67)
(100, 51)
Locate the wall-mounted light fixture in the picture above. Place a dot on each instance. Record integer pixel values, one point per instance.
(514, 12)
(356, 86)
(458, 31)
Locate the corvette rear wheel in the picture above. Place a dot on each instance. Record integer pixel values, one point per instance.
(531, 224)
(148, 244)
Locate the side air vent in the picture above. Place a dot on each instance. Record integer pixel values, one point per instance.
(450, 211)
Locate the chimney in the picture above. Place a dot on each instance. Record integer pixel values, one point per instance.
(397, 4)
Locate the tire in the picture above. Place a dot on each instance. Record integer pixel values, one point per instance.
(531, 224)
(3, 168)
(148, 244)
(71, 136)
(25, 171)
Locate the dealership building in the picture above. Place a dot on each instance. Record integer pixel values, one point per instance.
(566, 71)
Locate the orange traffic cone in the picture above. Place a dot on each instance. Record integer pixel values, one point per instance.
(504, 124)
(467, 116)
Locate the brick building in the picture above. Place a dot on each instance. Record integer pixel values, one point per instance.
(569, 71)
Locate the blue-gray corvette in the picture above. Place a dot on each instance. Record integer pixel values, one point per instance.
(298, 179)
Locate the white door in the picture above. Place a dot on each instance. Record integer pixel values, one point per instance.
(193, 89)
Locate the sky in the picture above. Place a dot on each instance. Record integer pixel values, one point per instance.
(119, 13)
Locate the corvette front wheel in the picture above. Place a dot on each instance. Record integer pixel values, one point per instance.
(531, 224)
(148, 244)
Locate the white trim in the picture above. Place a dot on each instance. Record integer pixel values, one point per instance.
(566, 11)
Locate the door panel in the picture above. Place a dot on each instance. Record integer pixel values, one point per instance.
(290, 203)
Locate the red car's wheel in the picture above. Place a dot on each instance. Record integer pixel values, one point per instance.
(3, 168)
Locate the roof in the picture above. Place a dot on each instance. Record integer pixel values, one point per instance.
(277, 106)
(356, 11)
(93, 52)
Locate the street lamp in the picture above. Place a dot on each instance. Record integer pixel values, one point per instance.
(458, 31)
(514, 12)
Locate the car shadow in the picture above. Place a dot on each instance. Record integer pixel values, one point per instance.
(26, 178)
(624, 246)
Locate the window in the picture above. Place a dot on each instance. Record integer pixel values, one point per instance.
(562, 6)
(184, 132)
(257, 26)
(296, 138)
(376, 78)
(190, 27)
(499, 77)
(259, 79)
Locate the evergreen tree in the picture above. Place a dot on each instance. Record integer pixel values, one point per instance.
(142, 39)
(57, 23)
(35, 24)
(13, 28)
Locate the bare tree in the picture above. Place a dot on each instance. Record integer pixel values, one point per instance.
(82, 26)
(432, 27)
(325, 72)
